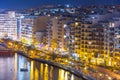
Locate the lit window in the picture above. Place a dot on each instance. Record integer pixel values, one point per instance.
(76, 23)
(64, 36)
(112, 24)
(65, 25)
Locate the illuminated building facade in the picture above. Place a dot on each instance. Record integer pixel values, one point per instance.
(117, 38)
(61, 34)
(27, 23)
(84, 37)
(55, 32)
(40, 32)
(52, 29)
(8, 25)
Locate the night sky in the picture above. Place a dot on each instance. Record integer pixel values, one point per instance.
(19, 4)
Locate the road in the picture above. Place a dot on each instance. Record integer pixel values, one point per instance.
(106, 71)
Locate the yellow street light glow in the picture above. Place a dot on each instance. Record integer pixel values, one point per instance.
(109, 78)
(9, 43)
(115, 63)
(31, 51)
(85, 68)
(100, 74)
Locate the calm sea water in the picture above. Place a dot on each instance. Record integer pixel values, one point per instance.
(11, 69)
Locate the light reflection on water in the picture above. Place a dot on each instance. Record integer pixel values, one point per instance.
(36, 70)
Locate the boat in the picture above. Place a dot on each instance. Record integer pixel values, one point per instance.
(25, 68)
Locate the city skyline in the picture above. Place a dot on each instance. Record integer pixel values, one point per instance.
(80, 38)
(22, 4)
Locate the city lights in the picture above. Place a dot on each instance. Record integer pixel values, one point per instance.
(80, 42)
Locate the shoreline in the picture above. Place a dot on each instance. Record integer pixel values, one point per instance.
(66, 68)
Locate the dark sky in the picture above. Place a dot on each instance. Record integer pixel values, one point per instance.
(18, 4)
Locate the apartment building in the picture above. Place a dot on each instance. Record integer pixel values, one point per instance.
(8, 25)
(26, 29)
(86, 37)
(56, 32)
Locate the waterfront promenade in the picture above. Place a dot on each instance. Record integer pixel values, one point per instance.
(84, 71)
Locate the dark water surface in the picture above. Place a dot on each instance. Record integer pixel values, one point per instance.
(21, 68)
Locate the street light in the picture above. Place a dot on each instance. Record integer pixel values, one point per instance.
(10, 45)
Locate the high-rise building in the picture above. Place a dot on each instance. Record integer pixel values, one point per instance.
(117, 41)
(86, 37)
(56, 32)
(26, 29)
(40, 32)
(8, 25)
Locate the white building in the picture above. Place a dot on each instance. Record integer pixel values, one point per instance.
(8, 25)
(17, 26)
(26, 29)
